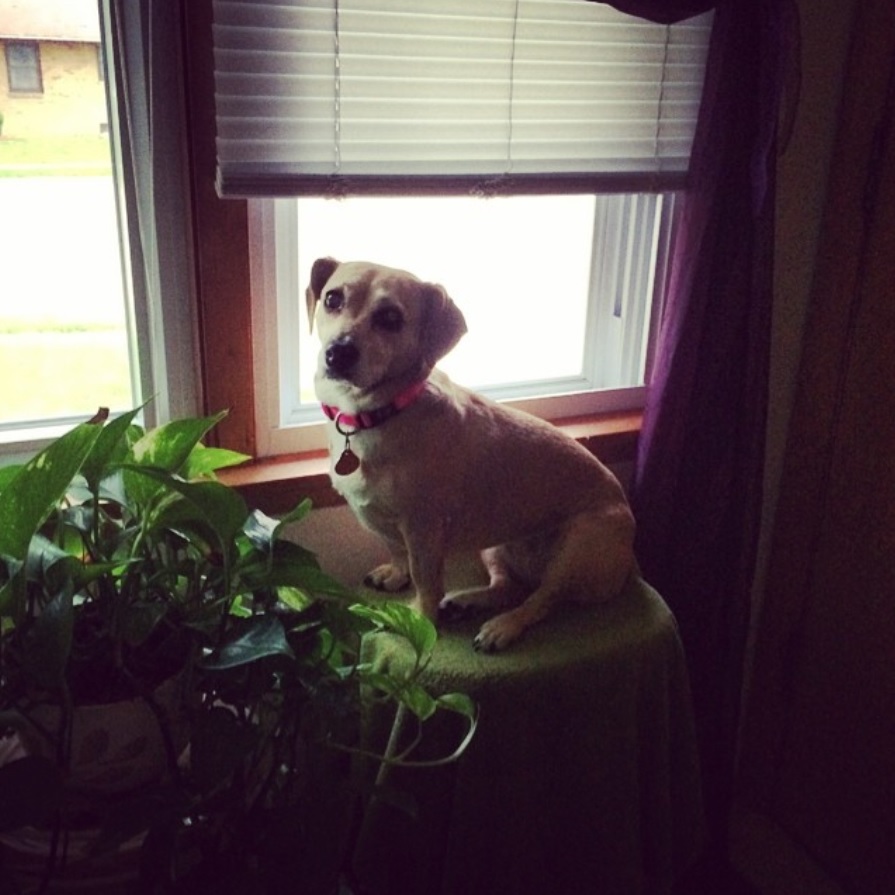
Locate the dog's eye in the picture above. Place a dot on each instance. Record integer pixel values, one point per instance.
(334, 300)
(389, 319)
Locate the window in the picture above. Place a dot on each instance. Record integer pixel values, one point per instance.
(527, 154)
(63, 306)
(95, 308)
(23, 67)
(558, 292)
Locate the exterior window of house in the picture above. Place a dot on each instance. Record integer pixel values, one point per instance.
(23, 67)
(526, 154)
(65, 333)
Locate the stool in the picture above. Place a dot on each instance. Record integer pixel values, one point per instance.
(583, 773)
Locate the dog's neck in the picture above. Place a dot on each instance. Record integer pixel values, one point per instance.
(369, 419)
(349, 424)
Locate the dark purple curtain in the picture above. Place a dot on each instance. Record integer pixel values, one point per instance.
(698, 483)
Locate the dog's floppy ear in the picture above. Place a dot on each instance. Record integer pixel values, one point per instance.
(443, 325)
(321, 271)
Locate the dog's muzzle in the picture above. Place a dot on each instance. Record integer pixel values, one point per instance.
(341, 356)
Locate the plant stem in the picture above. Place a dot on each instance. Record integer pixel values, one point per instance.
(391, 747)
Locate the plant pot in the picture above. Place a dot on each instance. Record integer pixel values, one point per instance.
(26, 856)
(115, 748)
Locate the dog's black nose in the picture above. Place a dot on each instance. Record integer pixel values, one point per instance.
(341, 355)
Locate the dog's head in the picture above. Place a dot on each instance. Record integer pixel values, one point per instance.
(378, 325)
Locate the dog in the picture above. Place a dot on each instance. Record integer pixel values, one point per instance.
(433, 468)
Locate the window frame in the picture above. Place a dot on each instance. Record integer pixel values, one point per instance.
(227, 341)
(618, 343)
(219, 238)
(220, 251)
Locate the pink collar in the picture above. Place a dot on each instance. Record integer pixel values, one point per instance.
(369, 419)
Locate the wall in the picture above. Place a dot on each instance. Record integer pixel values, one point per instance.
(73, 101)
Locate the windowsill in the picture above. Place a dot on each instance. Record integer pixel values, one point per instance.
(276, 485)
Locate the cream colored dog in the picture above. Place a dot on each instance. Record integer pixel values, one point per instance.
(433, 468)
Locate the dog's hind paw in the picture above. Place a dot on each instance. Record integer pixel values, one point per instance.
(389, 578)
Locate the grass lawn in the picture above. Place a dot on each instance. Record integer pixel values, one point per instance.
(54, 155)
(45, 374)
(52, 366)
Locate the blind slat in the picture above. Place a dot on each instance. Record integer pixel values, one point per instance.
(532, 89)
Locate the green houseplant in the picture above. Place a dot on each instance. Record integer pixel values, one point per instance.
(131, 576)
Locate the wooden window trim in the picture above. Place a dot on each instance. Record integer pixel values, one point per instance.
(276, 485)
(221, 252)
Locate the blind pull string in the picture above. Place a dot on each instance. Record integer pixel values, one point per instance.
(335, 187)
(512, 93)
(665, 54)
(491, 186)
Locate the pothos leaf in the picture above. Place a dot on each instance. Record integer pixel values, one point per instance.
(49, 642)
(264, 531)
(167, 447)
(7, 473)
(110, 444)
(418, 700)
(205, 461)
(31, 494)
(297, 514)
(221, 508)
(262, 636)
(401, 619)
(459, 703)
(261, 529)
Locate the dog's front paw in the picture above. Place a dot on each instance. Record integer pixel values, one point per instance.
(498, 633)
(388, 577)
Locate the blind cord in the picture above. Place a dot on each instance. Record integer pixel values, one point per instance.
(490, 186)
(665, 54)
(337, 89)
(512, 91)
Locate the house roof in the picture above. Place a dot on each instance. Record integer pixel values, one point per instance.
(70, 20)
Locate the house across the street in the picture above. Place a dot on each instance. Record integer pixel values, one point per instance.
(51, 76)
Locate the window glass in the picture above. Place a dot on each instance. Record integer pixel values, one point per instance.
(23, 67)
(518, 269)
(64, 342)
(561, 295)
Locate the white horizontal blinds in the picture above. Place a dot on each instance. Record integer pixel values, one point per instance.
(318, 96)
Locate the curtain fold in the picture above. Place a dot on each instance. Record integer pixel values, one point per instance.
(147, 102)
(667, 12)
(697, 489)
